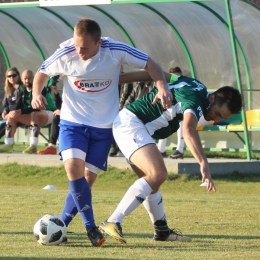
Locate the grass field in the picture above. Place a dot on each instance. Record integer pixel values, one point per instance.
(223, 225)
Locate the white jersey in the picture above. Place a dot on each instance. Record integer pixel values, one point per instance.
(90, 95)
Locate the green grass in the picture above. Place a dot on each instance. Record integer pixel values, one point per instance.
(223, 225)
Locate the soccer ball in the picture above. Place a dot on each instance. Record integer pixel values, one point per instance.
(50, 230)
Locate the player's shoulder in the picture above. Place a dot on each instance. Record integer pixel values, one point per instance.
(112, 44)
(66, 51)
(67, 43)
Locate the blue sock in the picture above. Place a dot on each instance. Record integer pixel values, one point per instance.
(69, 211)
(82, 197)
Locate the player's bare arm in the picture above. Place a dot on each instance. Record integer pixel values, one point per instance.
(193, 142)
(38, 100)
(158, 77)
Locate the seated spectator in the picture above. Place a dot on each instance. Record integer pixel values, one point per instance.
(51, 148)
(28, 116)
(13, 92)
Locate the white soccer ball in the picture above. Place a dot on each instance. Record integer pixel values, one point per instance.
(50, 230)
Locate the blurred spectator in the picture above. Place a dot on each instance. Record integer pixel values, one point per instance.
(13, 94)
(28, 116)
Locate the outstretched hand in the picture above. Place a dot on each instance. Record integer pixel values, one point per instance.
(206, 177)
(165, 96)
(39, 102)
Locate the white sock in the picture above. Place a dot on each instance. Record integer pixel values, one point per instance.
(135, 195)
(180, 144)
(9, 141)
(34, 141)
(53, 145)
(155, 207)
(161, 145)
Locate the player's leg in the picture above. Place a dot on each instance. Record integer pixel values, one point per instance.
(70, 209)
(93, 150)
(155, 207)
(162, 147)
(149, 160)
(178, 154)
(139, 147)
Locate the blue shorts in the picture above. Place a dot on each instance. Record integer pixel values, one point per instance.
(95, 142)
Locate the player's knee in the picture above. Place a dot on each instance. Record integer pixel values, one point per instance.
(161, 177)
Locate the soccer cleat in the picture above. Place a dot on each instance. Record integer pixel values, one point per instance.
(163, 233)
(164, 154)
(48, 150)
(6, 148)
(96, 237)
(114, 230)
(171, 235)
(32, 149)
(176, 155)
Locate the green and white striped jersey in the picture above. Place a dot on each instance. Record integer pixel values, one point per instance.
(188, 93)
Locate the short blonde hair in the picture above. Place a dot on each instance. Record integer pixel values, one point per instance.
(88, 27)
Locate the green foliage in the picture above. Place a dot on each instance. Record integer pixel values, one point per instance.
(223, 225)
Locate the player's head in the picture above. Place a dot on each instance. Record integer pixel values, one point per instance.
(27, 78)
(175, 70)
(87, 38)
(224, 103)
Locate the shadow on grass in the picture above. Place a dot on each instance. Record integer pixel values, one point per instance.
(130, 235)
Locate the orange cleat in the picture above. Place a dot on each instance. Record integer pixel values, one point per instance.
(48, 150)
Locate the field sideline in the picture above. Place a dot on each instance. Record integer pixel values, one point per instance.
(223, 225)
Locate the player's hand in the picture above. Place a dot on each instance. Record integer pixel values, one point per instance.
(39, 102)
(166, 98)
(206, 177)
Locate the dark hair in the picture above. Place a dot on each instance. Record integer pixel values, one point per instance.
(88, 27)
(231, 97)
(175, 70)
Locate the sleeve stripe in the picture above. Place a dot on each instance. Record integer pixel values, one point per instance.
(123, 47)
(59, 53)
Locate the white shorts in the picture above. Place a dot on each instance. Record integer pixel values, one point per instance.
(50, 116)
(130, 133)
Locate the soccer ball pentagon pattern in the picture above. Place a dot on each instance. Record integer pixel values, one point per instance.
(50, 230)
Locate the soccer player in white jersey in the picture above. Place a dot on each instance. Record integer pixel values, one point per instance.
(90, 66)
(135, 129)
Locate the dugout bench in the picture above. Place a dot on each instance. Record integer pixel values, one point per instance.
(235, 124)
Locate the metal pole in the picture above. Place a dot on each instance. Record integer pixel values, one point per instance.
(238, 76)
